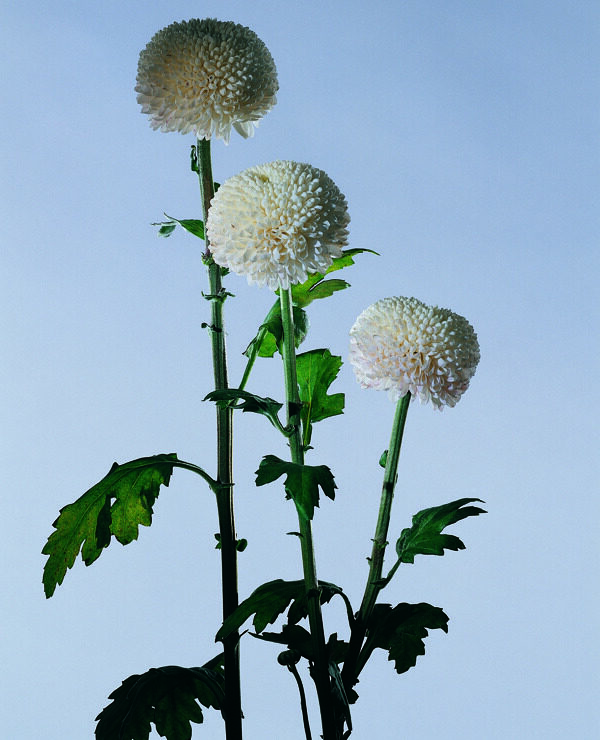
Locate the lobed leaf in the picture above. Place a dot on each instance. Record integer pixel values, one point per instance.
(425, 538)
(270, 600)
(168, 697)
(401, 631)
(302, 482)
(316, 371)
(89, 523)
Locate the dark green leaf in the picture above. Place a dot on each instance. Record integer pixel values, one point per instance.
(316, 371)
(89, 522)
(248, 402)
(295, 637)
(299, 608)
(401, 631)
(302, 482)
(167, 697)
(425, 538)
(266, 602)
(338, 691)
(268, 339)
(270, 600)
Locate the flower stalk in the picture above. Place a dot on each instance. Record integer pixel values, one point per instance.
(352, 664)
(224, 494)
(320, 668)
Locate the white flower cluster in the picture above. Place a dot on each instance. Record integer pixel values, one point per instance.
(205, 76)
(276, 223)
(400, 345)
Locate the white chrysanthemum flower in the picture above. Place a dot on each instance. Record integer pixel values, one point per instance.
(400, 345)
(277, 223)
(205, 76)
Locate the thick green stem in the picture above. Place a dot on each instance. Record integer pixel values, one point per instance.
(232, 710)
(352, 665)
(320, 669)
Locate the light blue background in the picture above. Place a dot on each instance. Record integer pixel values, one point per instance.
(465, 136)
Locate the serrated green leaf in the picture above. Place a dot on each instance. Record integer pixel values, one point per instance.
(266, 602)
(248, 402)
(270, 600)
(169, 697)
(401, 631)
(316, 371)
(89, 522)
(302, 482)
(425, 538)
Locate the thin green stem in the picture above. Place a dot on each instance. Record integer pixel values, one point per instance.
(303, 708)
(375, 583)
(320, 669)
(232, 710)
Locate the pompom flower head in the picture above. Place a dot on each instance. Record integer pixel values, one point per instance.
(205, 76)
(277, 223)
(400, 345)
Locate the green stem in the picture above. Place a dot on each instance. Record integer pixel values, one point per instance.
(352, 664)
(320, 669)
(303, 708)
(232, 710)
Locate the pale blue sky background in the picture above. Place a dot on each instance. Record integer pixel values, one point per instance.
(465, 136)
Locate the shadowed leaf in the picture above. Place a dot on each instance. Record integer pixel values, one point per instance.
(401, 631)
(270, 600)
(168, 697)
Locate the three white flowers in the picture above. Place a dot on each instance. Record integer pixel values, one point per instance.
(280, 222)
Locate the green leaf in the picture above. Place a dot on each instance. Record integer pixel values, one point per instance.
(295, 637)
(316, 371)
(302, 482)
(166, 228)
(89, 522)
(266, 602)
(425, 538)
(270, 333)
(316, 286)
(270, 600)
(401, 631)
(193, 225)
(248, 402)
(169, 697)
